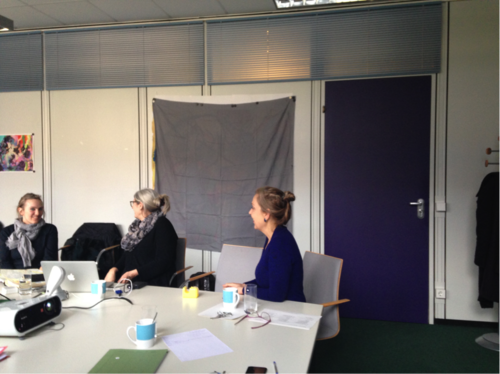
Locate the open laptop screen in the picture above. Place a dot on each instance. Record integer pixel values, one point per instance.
(79, 274)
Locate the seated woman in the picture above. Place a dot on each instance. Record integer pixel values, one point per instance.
(150, 244)
(29, 240)
(279, 273)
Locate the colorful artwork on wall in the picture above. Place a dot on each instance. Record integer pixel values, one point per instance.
(16, 153)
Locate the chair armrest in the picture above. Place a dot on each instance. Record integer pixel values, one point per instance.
(177, 273)
(200, 276)
(104, 250)
(331, 303)
(195, 278)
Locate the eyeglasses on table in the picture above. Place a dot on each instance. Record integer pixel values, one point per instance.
(265, 316)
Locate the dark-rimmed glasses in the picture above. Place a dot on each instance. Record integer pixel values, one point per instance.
(132, 203)
(265, 316)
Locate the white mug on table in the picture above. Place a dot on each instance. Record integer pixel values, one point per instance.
(230, 298)
(145, 331)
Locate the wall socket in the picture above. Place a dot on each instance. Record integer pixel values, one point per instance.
(440, 294)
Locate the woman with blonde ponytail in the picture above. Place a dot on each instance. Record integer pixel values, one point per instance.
(149, 246)
(279, 273)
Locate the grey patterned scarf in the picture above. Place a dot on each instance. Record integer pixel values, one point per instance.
(21, 239)
(138, 230)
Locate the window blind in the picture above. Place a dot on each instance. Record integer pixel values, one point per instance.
(21, 62)
(125, 57)
(368, 42)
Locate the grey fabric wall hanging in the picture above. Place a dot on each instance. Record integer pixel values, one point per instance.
(211, 158)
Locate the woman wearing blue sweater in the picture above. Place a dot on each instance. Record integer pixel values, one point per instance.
(279, 273)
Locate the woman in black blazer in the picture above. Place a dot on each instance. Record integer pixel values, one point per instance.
(150, 244)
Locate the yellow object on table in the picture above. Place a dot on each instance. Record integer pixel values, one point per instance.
(192, 293)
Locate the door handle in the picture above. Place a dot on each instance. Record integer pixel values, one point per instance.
(420, 208)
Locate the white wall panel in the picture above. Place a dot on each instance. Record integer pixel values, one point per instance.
(95, 157)
(193, 256)
(472, 127)
(301, 208)
(20, 113)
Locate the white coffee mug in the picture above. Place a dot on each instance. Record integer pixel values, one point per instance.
(98, 288)
(230, 298)
(145, 332)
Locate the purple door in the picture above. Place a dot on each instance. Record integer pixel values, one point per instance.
(377, 146)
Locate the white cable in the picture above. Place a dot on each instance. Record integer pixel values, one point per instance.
(119, 286)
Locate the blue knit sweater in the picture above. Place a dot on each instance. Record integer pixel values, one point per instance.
(279, 273)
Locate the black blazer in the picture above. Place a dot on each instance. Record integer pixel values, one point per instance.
(486, 256)
(154, 256)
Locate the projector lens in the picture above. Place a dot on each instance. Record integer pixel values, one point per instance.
(49, 308)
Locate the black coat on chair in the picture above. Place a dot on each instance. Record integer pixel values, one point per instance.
(487, 245)
(89, 240)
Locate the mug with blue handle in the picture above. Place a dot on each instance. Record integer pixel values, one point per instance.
(230, 298)
(145, 332)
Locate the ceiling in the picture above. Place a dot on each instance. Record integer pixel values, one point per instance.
(40, 14)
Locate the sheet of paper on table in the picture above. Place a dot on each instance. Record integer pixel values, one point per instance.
(212, 312)
(296, 320)
(196, 344)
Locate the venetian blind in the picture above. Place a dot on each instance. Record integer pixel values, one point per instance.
(368, 42)
(125, 57)
(21, 63)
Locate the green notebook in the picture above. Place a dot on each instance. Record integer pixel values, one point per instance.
(130, 361)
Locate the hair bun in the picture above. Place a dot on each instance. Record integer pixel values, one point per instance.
(288, 196)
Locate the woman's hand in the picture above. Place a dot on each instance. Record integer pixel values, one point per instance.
(111, 276)
(239, 286)
(128, 275)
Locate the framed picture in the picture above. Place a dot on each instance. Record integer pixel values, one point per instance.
(16, 153)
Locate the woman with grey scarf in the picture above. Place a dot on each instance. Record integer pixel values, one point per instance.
(30, 239)
(150, 244)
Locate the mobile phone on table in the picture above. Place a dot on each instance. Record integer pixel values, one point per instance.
(37, 278)
(256, 369)
(139, 284)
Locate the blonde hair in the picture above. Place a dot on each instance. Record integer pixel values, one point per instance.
(26, 197)
(152, 200)
(276, 202)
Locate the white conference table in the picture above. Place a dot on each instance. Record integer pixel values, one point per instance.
(89, 334)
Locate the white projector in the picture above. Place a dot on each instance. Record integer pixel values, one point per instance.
(20, 317)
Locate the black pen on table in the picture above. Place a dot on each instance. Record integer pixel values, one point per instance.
(275, 367)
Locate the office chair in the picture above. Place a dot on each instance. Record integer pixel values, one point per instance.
(236, 264)
(99, 242)
(180, 264)
(178, 279)
(321, 286)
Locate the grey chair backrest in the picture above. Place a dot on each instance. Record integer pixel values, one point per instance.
(236, 264)
(321, 285)
(180, 261)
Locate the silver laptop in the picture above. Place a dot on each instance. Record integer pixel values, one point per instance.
(79, 274)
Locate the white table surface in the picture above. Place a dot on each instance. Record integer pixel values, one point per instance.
(89, 334)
